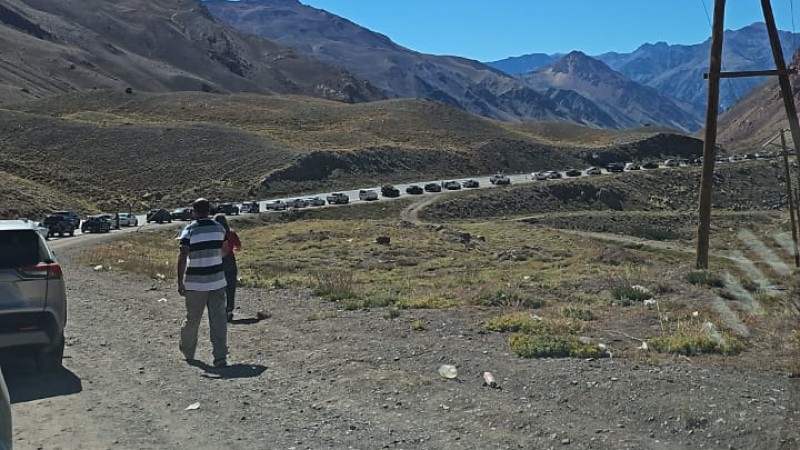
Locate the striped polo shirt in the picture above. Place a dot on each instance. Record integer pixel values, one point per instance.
(204, 271)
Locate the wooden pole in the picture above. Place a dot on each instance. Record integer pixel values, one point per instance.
(790, 198)
(710, 144)
(783, 79)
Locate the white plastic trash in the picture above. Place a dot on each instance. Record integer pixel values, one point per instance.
(448, 371)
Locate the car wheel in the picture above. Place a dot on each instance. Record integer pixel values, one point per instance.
(50, 360)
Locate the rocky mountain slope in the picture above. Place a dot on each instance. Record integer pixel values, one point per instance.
(402, 72)
(631, 103)
(51, 47)
(758, 116)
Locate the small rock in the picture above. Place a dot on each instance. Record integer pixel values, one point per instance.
(383, 240)
(565, 441)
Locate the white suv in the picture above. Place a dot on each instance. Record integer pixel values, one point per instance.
(33, 300)
(367, 194)
(127, 220)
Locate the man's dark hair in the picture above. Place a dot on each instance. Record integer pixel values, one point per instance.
(201, 207)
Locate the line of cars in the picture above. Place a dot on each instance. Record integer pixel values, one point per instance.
(61, 223)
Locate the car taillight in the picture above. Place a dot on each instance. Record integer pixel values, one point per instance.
(50, 271)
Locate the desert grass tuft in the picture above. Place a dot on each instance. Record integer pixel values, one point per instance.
(322, 315)
(528, 345)
(512, 299)
(705, 278)
(695, 342)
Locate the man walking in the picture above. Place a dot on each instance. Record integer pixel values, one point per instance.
(201, 280)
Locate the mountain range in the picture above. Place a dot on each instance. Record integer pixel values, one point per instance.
(285, 47)
(677, 70)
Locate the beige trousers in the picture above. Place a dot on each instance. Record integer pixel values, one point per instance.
(196, 302)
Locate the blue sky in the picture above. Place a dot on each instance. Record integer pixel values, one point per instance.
(488, 30)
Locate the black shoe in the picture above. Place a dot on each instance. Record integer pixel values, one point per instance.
(230, 317)
(221, 363)
(186, 355)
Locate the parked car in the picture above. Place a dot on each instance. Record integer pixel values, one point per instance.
(573, 173)
(594, 171)
(6, 428)
(33, 312)
(650, 165)
(451, 185)
(433, 187)
(159, 215)
(227, 208)
(499, 179)
(414, 190)
(471, 184)
(276, 205)
(181, 214)
(615, 167)
(315, 201)
(99, 223)
(128, 220)
(553, 175)
(59, 224)
(72, 216)
(671, 163)
(367, 194)
(338, 198)
(540, 176)
(296, 203)
(387, 190)
(632, 166)
(250, 207)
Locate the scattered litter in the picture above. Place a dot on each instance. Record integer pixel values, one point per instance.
(695, 313)
(488, 380)
(643, 346)
(162, 300)
(448, 371)
(650, 301)
(161, 276)
(98, 267)
(120, 261)
(193, 406)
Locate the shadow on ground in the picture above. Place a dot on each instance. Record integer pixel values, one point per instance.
(26, 387)
(232, 371)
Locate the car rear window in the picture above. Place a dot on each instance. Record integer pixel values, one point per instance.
(20, 248)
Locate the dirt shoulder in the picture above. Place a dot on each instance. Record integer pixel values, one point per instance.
(359, 380)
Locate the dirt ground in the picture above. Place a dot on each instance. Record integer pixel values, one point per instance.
(363, 381)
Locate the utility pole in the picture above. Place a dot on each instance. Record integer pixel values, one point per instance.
(710, 144)
(712, 111)
(783, 75)
(790, 197)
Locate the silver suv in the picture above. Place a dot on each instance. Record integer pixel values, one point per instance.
(33, 300)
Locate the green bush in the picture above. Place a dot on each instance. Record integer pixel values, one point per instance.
(529, 345)
(695, 343)
(627, 294)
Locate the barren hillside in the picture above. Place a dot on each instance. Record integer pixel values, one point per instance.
(103, 146)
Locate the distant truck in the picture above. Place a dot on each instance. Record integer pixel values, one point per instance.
(338, 198)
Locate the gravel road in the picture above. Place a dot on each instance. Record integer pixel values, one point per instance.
(362, 381)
